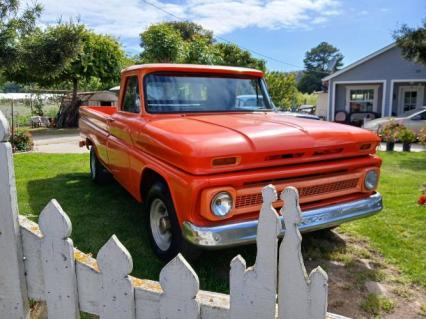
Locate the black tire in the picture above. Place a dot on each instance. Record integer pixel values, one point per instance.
(159, 193)
(98, 173)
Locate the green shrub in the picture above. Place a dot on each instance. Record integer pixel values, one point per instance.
(405, 135)
(23, 120)
(374, 304)
(22, 141)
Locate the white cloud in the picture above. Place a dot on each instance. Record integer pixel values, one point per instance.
(127, 18)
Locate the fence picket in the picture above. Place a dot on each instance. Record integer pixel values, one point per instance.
(295, 297)
(58, 262)
(180, 286)
(253, 290)
(13, 291)
(117, 292)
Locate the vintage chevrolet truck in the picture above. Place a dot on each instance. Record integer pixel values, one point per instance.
(196, 144)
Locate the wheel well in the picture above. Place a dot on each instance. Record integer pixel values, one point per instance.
(149, 177)
(89, 143)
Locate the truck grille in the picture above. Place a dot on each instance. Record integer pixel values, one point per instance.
(304, 192)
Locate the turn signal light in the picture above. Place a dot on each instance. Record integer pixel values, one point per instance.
(225, 161)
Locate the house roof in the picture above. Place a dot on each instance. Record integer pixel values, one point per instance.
(356, 63)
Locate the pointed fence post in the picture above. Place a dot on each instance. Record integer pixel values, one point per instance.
(13, 290)
(253, 290)
(117, 298)
(299, 296)
(180, 286)
(58, 261)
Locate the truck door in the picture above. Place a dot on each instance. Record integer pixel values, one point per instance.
(120, 141)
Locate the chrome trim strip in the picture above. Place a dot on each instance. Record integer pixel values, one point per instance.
(316, 219)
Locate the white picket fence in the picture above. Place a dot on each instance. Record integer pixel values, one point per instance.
(39, 262)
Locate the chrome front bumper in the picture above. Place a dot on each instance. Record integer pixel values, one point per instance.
(245, 232)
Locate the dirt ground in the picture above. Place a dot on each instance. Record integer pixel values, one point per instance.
(361, 283)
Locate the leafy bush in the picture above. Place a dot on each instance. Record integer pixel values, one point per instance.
(422, 136)
(23, 120)
(390, 131)
(405, 135)
(22, 141)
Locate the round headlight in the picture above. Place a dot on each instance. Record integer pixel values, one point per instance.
(221, 204)
(371, 179)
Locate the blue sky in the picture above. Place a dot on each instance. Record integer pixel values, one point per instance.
(280, 29)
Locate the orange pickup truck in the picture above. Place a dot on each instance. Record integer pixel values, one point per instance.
(196, 144)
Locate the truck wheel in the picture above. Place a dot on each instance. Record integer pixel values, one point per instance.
(98, 173)
(163, 227)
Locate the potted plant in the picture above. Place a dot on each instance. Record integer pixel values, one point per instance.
(389, 134)
(422, 136)
(406, 136)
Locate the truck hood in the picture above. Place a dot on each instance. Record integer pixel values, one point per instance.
(192, 142)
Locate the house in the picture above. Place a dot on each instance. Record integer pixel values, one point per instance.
(378, 85)
(95, 98)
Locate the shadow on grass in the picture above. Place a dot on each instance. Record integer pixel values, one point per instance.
(414, 164)
(97, 212)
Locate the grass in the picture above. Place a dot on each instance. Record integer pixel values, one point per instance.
(399, 231)
(98, 212)
(375, 305)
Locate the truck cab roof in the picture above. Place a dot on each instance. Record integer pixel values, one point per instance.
(218, 69)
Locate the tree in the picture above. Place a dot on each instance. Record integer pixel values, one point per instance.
(162, 43)
(412, 42)
(319, 62)
(14, 25)
(233, 55)
(188, 42)
(189, 31)
(101, 58)
(200, 51)
(46, 54)
(282, 88)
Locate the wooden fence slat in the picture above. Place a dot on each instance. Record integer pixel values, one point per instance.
(299, 296)
(180, 286)
(13, 292)
(117, 292)
(253, 290)
(58, 262)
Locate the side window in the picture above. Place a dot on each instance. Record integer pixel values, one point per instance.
(131, 101)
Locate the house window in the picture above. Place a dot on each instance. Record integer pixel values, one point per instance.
(361, 100)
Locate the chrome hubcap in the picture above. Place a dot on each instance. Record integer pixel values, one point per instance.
(160, 224)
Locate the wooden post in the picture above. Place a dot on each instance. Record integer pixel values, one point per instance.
(299, 296)
(253, 290)
(180, 287)
(117, 293)
(13, 290)
(57, 253)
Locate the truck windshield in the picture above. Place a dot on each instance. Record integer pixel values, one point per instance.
(176, 93)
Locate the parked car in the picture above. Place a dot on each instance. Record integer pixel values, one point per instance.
(178, 143)
(414, 120)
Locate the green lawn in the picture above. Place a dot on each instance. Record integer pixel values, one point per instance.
(399, 232)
